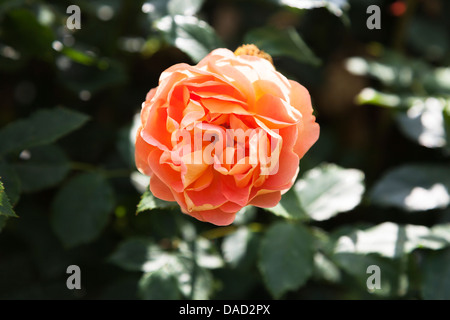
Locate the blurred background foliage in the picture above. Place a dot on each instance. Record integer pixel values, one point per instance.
(374, 190)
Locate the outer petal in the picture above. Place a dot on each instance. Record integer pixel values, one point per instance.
(215, 216)
(160, 190)
(309, 130)
(141, 153)
(266, 200)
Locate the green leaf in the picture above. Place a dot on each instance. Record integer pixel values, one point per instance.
(42, 127)
(436, 275)
(194, 282)
(22, 30)
(429, 40)
(159, 285)
(289, 206)
(328, 190)
(286, 257)
(235, 246)
(424, 122)
(336, 7)
(104, 74)
(78, 56)
(150, 202)
(155, 9)
(245, 215)
(414, 187)
(325, 269)
(46, 167)
(5, 206)
(133, 254)
(392, 240)
(187, 267)
(189, 34)
(282, 43)
(391, 281)
(184, 7)
(393, 70)
(81, 208)
(10, 181)
(206, 255)
(421, 118)
(378, 98)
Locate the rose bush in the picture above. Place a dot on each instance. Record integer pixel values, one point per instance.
(263, 121)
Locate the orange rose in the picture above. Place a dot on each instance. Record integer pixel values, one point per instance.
(223, 134)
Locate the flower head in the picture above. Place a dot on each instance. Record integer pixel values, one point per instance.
(225, 133)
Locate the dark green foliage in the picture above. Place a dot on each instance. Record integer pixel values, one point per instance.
(373, 191)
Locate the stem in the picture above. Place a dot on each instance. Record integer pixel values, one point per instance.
(81, 166)
(224, 231)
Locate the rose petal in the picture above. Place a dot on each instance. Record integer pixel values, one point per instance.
(266, 200)
(164, 171)
(215, 216)
(308, 132)
(142, 150)
(160, 190)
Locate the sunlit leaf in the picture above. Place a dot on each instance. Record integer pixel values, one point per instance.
(10, 181)
(336, 7)
(356, 265)
(391, 69)
(328, 190)
(324, 268)
(286, 257)
(282, 43)
(424, 123)
(5, 206)
(414, 187)
(78, 56)
(184, 7)
(289, 206)
(235, 246)
(43, 127)
(206, 254)
(189, 34)
(150, 202)
(381, 99)
(194, 281)
(159, 285)
(422, 119)
(245, 215)
(392, 240)
(155, 9)
(81, 209)
(187, 267)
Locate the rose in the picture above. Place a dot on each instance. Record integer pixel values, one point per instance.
(223, 134)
